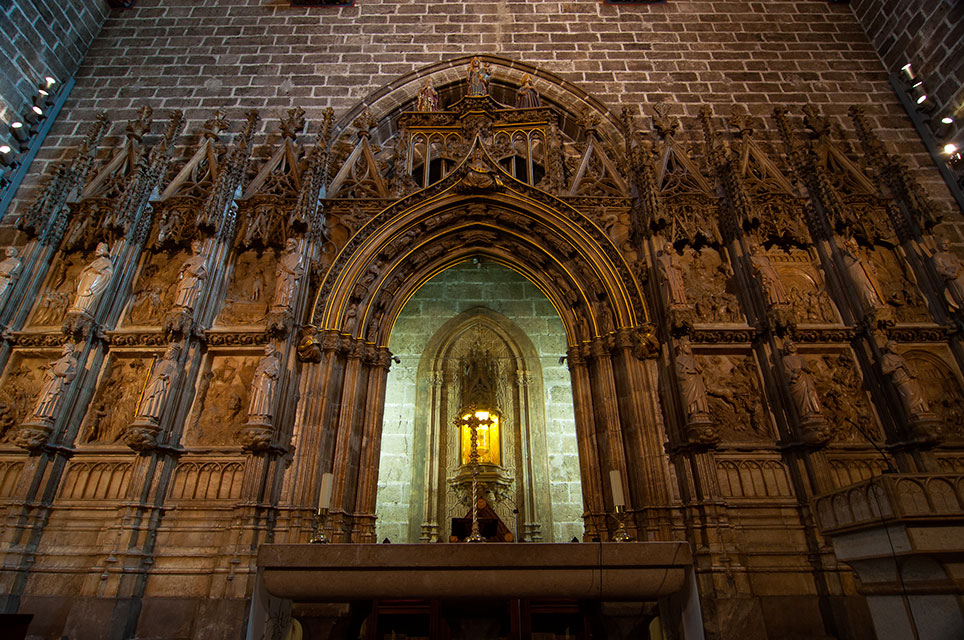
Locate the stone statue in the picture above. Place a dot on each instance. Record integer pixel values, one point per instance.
(802, 388)
(866, 289)
(163, 377)
(9, 274)
(908, 387)
(478, 77)
(691, 381)
(92, 282)
(58, 376)
(668, 265)
(776, 293)
(427, 98)
(190, 279)
(949, 268)
(287, 275)
(526, 97)
(263, 386)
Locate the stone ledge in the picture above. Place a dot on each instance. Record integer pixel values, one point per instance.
(341, 572)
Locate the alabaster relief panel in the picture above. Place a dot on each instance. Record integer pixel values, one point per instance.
(735, 401)
(752, 478)
(21, 383)
(804, 286)
(9, 472)
(710, 287)
(942, 389)
(115, 401)
(616, 224)
(897, 285)
(849, 414)
(250, 288)
(60, 289)
(221, 402)
(154, 289)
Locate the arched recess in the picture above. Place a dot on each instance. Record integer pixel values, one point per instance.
(520, 402)
(477, 210)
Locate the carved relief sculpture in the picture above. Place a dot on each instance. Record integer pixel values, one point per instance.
(9, 274)
(427, 97)
(91, 284)
(778, 302)
(948, 267)
(190, 281)
(668, 265)
(478, 77)
(806, 399)
(864, 284)
(37, 429)
(287, 276)
(526, 97)
(256, 435)
(699, 422)
(142, 433)
(923, 423)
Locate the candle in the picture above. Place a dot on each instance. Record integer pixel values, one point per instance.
(615, 479)
(324, 498)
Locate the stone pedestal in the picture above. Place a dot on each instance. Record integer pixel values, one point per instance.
(901, 534)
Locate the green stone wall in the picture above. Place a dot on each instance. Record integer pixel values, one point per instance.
(454, 291)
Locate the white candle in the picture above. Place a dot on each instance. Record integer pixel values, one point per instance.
(324, 498)
(616, 480)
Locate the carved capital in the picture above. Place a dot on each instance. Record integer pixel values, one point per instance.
(256, 437)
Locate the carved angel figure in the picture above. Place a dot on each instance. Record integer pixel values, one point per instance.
(263, 386)
(691, 382)
(775, 292)
(191, 278)
(867, 290)
(92, 282)
(669, 268)
(159, 386)
(802, 388)
(9, 273)
(59, 374)
(478, 77)
(908, 386)
(526, 97)
(949, 268)
(287, 275)
(427, 97)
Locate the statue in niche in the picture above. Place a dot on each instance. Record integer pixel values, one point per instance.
(427, 97)
(949, 268)
(58, 376)
(527, 97)
(867, 289)
(141, 435)
(776, 293)
(924, 425)
(9, 273)
(91, 285)
(699, 422)
(668, 265)
(287, 275)
(478, 77)
(190, 281)
(257, 433)
(806, 399)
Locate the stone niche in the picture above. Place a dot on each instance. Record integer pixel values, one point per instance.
(221, 400)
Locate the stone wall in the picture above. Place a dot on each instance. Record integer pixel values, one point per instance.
(927, 34)
(198, 55)
(41, 38)
(452, 292)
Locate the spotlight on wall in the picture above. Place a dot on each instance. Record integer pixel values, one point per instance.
(50, 81)
(7, 156)
(43, 98)
(19, 132)
(34, 115)
(950, 148)
(908, 72)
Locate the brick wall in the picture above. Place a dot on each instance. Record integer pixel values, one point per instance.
(40, 38)
(929, 35)
(197, 55)
(452, 292)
